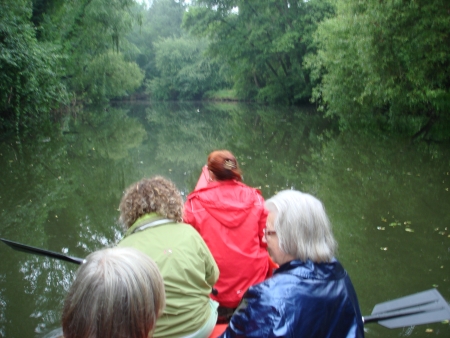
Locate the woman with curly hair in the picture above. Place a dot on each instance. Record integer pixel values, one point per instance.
(151, 212)
(230, 216)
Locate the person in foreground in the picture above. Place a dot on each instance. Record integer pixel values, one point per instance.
(311, 294)
(230, 216)
(151, 211)
(117, 293)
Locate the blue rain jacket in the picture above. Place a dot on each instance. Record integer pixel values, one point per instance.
(302, 299)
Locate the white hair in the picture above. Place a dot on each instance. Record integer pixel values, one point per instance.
(118, 292)
(302, 226)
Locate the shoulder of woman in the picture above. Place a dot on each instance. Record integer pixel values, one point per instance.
(262, 288)
(264, 298)
(245, 186)
(189, 230)
(254, 190)
(185, 227)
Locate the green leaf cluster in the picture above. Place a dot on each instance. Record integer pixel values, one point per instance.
(29, 70)
(384, 63)
(161, 21)
(90, 32)
(55, 53)
(184, 72)
(264, 43)
(109, 75)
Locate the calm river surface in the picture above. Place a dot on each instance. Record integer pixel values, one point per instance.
(388, 200)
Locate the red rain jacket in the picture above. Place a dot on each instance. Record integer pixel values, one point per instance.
(230, 217)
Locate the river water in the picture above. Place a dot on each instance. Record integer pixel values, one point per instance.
(388, 199)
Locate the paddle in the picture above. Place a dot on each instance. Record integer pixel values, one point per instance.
(420, 308)
(38, 251)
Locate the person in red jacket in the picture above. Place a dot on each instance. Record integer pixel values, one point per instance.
(230, 216)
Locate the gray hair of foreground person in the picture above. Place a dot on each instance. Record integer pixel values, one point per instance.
(302, 226)
(118, 292)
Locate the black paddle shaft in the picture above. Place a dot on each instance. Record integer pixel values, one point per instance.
(42, 252)
(420, 308)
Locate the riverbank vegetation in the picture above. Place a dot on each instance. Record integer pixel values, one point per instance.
(372, 64)
(386, 62)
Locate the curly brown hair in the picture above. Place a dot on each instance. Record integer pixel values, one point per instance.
(156, 194)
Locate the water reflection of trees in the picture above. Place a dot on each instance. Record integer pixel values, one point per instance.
(276, 145)
(60, 190)
(65, 188)
(386, 198)
(367, 184)
(182, 135)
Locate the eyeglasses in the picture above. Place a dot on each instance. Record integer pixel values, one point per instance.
(269, 233)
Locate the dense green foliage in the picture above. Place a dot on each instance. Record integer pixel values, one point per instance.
(372, 63)
(263, 42)
(89, 33)
(109, 75)
(184, 72)
(175, 65)
(57, 52)
(29, 70)
(386, 62)
(161, 21)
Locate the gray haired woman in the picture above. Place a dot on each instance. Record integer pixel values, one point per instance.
(311, 294)
(118, 292)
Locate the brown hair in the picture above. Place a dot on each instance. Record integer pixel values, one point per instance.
(224, 165)
(156, 194)
(118, 292)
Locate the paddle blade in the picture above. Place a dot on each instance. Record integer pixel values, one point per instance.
(420, 308)
(37, 251)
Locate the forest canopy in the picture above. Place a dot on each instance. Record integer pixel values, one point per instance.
(371, 64)
(385, 62)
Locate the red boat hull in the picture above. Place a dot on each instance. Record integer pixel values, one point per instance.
(218, 330)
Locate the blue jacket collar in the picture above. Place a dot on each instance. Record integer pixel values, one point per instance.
(311, 270)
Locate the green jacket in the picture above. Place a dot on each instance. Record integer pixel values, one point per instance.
(188, 269)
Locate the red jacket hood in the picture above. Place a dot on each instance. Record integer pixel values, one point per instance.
(228, 202)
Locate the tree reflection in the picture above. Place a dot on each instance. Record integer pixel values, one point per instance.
(60, 190)
(367, 183)
(182, 136)
(275, 146)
